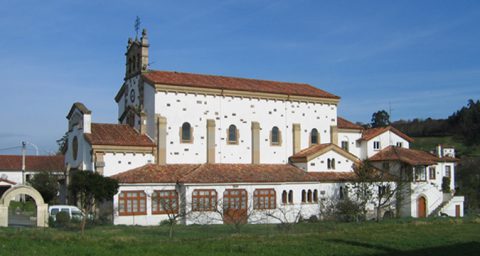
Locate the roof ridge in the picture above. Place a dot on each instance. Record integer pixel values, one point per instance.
(234, 77)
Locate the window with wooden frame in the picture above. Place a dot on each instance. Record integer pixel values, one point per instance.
(345, 145)
(132, 203)
(204, 200)
(164, 202)
(232, 135)
(275, 137)
(432, 173)
(235, 199)
(314, 137)
(264, 199)
(186, 133)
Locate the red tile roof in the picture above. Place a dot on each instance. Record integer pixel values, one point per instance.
(234, 83)
(409, 156)
(310, 150)
(345, 124)
(319, 149)
(226, 173)
(32, 163)
(234, 173)
(333, 176)
(154, 173)
(117, 135)
(371, 133)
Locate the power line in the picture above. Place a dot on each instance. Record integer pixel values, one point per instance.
(4, 149)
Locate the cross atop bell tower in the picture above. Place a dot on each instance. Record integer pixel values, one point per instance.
(137, 53)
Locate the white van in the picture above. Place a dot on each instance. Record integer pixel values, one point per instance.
(73, 211)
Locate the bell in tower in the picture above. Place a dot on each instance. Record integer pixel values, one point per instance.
(137, 55)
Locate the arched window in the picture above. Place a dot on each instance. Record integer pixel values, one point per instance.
(315, 196)
(284, 197)
(304, 196)
(290, 197)
(331, 163)
(314, 139)
(186, 133)
(309, 197)
(275, 137)
(232, 135)
(340, 193)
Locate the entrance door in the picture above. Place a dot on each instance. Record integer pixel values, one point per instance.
(457, 211)
(422, 208)
(235, 206)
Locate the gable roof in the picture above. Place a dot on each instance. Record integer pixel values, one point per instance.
(345, 124)
(117, 135)
(234, 83)
(409, 156)
(32, 163)
(213, 173)
(80, 107)
(314, 151)
(371, 133)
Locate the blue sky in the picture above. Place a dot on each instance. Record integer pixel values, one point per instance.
(419, 57)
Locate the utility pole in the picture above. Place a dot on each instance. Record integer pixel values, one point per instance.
(24, 149)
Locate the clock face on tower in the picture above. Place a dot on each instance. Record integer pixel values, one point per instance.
(132, 95)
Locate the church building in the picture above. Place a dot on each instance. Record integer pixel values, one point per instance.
(217, 149)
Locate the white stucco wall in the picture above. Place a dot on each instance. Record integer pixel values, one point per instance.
(386, 139)
(241, 112)
(84, 157)
(353, 146)
(342, 164)
(120, 162)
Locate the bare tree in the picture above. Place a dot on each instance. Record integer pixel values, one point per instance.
(287, 216)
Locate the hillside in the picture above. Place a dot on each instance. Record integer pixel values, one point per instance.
(429, 143)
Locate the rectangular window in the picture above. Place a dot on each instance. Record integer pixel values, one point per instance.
(376, 145)
(264, 199)
(132, 203)
(431, 173)
(420, 173)
(204, 200)
(448, 171)
(164, 202)
(345, 145)
(399, 144)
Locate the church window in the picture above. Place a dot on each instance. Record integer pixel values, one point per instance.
(164, 202)
(204, 200)
(284, 197)
(309, 196)
(304, 196)
(186, 133)
(314, 139)
(275, 137)
(315, 196)
(290, 197)
(132, 203)
(264, 199)
(232, 135)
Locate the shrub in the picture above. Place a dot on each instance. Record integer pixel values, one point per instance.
(446, 184)
(348, 210)
(62, 219)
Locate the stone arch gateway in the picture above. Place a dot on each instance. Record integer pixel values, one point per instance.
(11, 193)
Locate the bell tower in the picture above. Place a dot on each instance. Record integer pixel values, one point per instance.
(136, 56)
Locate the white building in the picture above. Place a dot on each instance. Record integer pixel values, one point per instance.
(213, 147)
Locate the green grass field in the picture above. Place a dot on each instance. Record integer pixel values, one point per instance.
(397, 237)
(429, 143)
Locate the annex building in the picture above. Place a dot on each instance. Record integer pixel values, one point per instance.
(216, 149)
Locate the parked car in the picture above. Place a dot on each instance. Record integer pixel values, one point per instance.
(72, 211)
